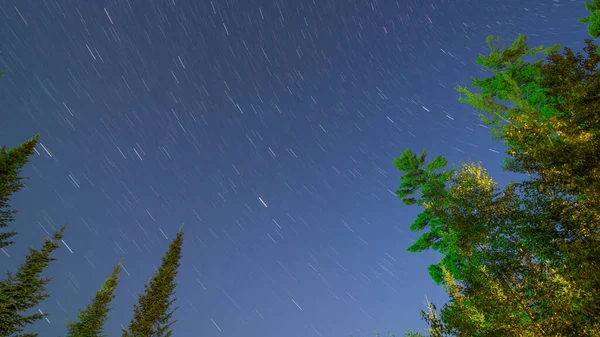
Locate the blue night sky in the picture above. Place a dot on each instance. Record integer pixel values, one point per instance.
(268, 128)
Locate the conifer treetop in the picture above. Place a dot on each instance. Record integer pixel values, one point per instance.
(90, 321)
(11, 163)
(23, 290)
(152, 316)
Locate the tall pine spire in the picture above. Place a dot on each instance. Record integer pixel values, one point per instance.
(152, 316)
(11, 163)
(23, 290)
(90, 322)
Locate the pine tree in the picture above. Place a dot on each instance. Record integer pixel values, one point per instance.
(418, 177)
(491, 246)
(11, 163)
(594, 19)
(24, 289)
(90, 322)
(522, 261)
(437, 328)
(152, 315)
(552, 133)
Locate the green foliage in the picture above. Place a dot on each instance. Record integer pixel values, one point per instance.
(523, 260)
(411, 333)
(24, 289)
(11, 163)
(593, 20)
(551, 128)
(556, 143)
(152, 315)
(451, 231)
(575, 81)
(513, 79)
(418, 177)
(90, 322)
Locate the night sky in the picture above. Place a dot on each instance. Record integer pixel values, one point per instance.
(268, 128)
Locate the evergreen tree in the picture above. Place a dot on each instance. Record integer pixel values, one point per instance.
(522, 261)
(90, 322)
(552, 133)
(11, 163)
(24, 289)
(552, 127)
(593, 20)
(491, 246)
(432, 185)
(152, 315)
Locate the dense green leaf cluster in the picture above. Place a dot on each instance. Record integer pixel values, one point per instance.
(522, 260)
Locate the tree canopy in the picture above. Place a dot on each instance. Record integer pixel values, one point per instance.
(520, 260)
(152, 316)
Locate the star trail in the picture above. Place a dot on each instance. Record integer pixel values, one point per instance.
(268, 128)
